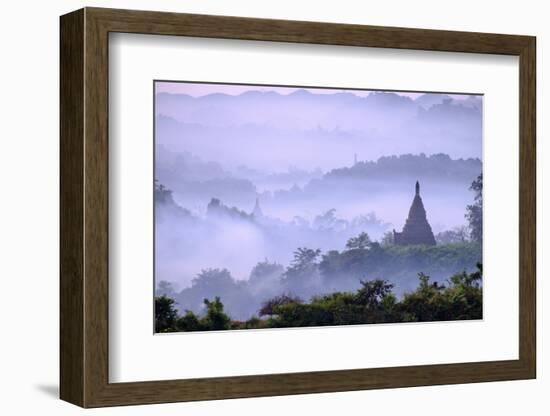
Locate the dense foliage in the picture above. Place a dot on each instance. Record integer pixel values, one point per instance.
(312, 273)
(459, 298)
(345, 268)
(474, 212)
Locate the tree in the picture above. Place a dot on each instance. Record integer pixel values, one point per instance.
(213, 279)
(238, 296)
(329, 221)
(303, 264)
(165, 288)
(465, 295)
(265, 270)
(454, 236)
(302, 276)
(372, 293)
(362, 241)
(304, 259)
(216, 208)
(427, 303)
(387, 239)
(474, 212)
(188, 322)
(269, 307)
(165, 314)
(215, 319)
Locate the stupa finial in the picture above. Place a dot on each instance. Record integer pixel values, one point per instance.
(417, 188)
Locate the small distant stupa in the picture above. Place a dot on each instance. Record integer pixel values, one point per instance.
(417, 230)
(257, 211)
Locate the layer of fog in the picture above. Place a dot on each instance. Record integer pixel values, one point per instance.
(384, 187)
(313, 163)
(314, 131)
(186, 246)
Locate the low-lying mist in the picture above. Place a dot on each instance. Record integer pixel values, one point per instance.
(246, 256)
(265, 194)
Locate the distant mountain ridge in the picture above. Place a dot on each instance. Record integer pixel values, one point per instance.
(295, 109)
(439, 165)
(335, 126)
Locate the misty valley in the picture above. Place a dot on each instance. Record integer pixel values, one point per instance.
(270, 216)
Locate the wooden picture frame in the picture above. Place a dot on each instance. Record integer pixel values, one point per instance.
(84, 207)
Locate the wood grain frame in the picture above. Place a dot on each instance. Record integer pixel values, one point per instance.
(84, 207)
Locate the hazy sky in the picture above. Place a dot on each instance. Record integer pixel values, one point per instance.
(200, 89)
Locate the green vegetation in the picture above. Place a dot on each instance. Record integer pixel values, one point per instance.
(312, 272)
(345, 268)
(374, 302)
(474, 212)
(165, 313)
(362, 241)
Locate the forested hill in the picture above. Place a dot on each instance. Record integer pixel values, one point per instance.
(439, 166)
(196, 181)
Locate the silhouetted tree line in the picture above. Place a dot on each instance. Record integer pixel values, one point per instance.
(460, 298)
(312, 272)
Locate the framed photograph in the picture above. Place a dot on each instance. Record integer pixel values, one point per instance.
(255, 207)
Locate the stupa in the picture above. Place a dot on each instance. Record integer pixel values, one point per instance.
(417, 230)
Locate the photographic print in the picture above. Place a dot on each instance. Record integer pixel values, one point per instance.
(299, 206)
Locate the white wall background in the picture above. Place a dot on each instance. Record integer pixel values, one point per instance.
(29, 208)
